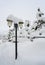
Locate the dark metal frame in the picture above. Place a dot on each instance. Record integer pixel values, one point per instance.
(16, 26)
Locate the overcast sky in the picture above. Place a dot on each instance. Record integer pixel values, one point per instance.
(23, 9)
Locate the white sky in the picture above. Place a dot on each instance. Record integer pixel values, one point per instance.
(23, 9)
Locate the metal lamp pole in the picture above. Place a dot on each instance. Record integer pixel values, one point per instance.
(10, 20)
(15, 25)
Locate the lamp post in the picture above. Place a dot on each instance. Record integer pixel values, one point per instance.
(11, 19)
(15, 25)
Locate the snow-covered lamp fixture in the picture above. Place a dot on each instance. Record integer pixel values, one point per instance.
(10, 20)
(20, 24)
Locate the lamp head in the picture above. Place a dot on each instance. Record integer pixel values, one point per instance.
(20, 23)
(10, 19)
(9, 22)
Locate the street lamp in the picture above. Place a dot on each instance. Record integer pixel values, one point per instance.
(20, 23)
(11, 19)
(9, 22)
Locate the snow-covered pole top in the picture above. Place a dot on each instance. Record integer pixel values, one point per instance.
(16, 20)
(12, 19)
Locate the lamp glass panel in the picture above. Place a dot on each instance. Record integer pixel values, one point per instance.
(20, 24)
(9, 23)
